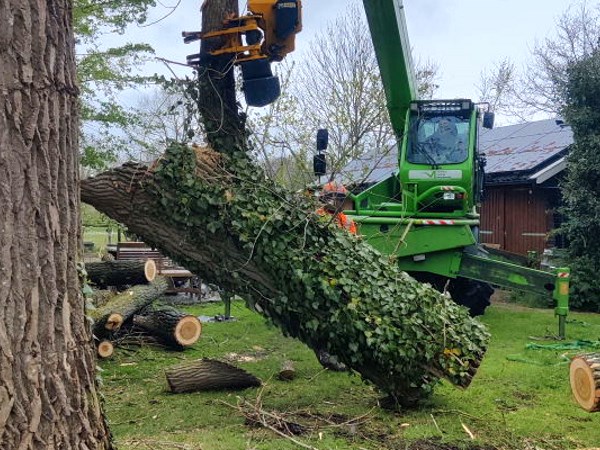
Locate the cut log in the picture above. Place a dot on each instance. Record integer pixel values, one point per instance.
(584, 375)
(121, 308)
(208, 375)
(105, 349)
(120, 273)
(171, 327)
(287, 372)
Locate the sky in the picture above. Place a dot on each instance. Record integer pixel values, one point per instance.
(463, 37)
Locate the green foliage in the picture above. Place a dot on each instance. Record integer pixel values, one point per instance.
(333, 291)
(92, 17)
(581, 189)
(104, 73)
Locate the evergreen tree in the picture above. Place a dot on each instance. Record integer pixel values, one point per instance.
(581, 189)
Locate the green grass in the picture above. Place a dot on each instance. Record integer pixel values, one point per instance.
(520, 398)
(99, 236)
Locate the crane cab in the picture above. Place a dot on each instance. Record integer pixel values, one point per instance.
(438, 159)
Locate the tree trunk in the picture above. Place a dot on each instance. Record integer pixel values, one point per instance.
(173, 328)
(207, 375)
(225, 128)
(118, 273)
(47, 381)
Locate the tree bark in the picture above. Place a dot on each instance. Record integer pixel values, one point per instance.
(47, 382)
(208, 375)
(173, 328)
(116, 273)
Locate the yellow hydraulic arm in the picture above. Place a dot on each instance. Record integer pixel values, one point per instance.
(267, 33)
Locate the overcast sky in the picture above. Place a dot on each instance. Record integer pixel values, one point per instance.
(461, 36)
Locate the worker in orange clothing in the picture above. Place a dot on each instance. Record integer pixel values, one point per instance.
(333, 195)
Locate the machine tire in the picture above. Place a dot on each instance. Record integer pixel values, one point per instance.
(474, 295)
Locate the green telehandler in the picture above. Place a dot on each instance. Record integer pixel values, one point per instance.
(426, 214)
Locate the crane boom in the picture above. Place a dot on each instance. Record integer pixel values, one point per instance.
(387, 25)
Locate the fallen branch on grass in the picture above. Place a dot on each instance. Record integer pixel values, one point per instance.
(208, 374)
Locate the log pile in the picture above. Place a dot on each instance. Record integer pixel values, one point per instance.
(132, 317)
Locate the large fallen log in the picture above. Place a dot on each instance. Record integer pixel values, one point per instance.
(584, 375)
(315, 282)
(216, 214)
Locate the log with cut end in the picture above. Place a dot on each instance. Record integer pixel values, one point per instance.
(105, 274)
(110, 317)
(105, 349)
(584, 374)
(208, 375)
(171, 327)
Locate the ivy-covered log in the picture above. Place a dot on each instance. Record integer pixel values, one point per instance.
(105, 274)
(121, 308)
(172, 328)
(218, 216)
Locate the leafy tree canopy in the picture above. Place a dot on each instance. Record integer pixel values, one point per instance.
(104, 73)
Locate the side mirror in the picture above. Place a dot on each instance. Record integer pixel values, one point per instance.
(488, 120)
(319, 164)
(322, 139)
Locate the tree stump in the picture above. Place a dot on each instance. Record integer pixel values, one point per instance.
(287, 372)
(584, 374)
(208, 374)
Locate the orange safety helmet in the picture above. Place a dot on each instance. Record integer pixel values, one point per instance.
(333, 187)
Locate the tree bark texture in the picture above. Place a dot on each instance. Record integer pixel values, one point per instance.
(225, 128)
(47, 371)
(208, 375)
(116, 273)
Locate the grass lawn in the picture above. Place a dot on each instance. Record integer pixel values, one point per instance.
(520, 398)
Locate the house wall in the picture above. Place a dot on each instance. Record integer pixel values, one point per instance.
(517, 218)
